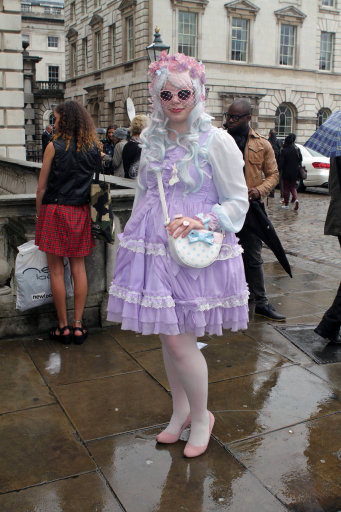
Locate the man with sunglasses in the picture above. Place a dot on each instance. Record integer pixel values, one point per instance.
(261, 175)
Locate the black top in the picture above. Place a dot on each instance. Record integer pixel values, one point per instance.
(131, 155)
(71, 174)
(290, 162)
(45, 139)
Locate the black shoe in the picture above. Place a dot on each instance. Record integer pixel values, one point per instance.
(269, 312)
(330, 337)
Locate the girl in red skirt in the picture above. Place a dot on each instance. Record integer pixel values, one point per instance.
(64, 224)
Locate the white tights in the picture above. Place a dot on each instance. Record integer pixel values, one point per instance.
(186, 370)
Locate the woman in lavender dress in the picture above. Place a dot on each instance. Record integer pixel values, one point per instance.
(202, 173)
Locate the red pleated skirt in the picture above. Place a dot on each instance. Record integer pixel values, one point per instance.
(64, 230)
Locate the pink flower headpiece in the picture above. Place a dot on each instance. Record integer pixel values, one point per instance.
(178, 63)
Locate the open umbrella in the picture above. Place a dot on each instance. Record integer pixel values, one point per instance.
(327, 138)
(259, 222)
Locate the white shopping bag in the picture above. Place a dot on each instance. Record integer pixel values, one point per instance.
(33, 277)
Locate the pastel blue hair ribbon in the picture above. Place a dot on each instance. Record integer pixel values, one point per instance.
(199, 236)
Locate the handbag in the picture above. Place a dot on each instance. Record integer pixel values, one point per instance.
(199, 249)
(32, 277)
(303, 172)
(102, 218)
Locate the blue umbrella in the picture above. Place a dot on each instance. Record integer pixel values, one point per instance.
(327, 138)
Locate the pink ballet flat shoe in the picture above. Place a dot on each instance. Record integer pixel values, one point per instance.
(191, 451)
(166, 438)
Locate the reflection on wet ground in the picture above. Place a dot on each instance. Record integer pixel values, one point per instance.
(78, 423)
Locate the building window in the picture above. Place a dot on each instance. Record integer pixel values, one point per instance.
(84, 6)
(53, 73)
(326, 50)
(187, 38)
(52, 42)
(85, 54)
(113, 43)
(98, 43)
(47, 10)
(52, 120)
(322, 116)
(240, 35)
(130, 37)
(283, 121)
(330, 3)
(73, 11)
(287, 46)
(73, 59)
(56, 10)
(26, 7)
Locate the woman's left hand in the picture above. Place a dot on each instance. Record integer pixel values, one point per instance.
(183, 225)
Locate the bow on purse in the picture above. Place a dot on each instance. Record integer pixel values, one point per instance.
(200, 236)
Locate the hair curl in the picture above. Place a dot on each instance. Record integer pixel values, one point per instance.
(76, 124)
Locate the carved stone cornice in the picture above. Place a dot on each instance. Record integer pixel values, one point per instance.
(127, 4)
(242, 8)
(190, 4)
(291, 15)
(72, 32)
(96, 20)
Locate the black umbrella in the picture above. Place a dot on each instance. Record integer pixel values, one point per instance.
(259, 222)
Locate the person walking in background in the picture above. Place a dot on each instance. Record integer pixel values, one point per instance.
(289, 165)
(108, 147)
(115, 163)
(46, 137)
(259, 161)
(132, 150)
(329, 327)
(276, 146)
(202, 174)
(63, 214)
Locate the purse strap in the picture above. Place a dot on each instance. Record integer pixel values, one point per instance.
(162, 198)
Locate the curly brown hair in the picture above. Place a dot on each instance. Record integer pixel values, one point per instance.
(76, 123)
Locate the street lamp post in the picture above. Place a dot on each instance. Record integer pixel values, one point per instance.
(154, 50)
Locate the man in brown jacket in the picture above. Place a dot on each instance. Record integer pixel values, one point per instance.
(261, 175)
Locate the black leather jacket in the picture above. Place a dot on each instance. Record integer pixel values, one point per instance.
(71, 174)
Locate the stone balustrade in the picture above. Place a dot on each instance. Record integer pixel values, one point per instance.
(18, 182)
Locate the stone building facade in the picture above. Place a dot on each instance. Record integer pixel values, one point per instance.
(285, 56)
(12, 133)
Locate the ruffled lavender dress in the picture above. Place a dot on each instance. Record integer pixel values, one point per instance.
(150, 292)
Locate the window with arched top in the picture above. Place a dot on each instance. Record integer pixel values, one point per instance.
(52, 120)
(284, 120)
(322, 116)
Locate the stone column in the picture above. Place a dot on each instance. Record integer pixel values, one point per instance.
(12, 133)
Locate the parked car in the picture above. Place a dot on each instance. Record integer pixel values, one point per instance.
(317, 167)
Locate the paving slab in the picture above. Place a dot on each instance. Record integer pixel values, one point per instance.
(84, 493)
(329, 372)
(37, 446)
(300, 282)
(300, 465)
(21, 385)
(113, 405)
(251, 405)
(215, 482)
(100, 356)
(133, 342)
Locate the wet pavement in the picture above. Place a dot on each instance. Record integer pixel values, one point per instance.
(78, 423)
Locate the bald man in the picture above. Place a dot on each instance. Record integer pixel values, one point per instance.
(261, 175)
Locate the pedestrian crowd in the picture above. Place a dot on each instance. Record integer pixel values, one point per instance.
(199, 189)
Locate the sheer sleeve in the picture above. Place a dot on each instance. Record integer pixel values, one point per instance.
(227, 169)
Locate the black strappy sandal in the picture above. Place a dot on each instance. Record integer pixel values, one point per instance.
(66, 339)
(78, 340)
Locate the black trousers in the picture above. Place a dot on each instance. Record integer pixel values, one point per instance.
(331, 321)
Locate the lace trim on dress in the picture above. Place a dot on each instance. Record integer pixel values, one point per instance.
(156, 302)
(229, 302)
(147, 301)
(229, 251)
(140, 246)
